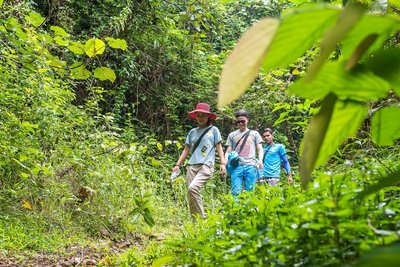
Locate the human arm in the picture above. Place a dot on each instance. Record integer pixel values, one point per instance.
(228, 150)
(260, 150)
(221, 156)
(182, 158)
(286, 165)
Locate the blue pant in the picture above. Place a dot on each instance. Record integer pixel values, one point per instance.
(246, 174)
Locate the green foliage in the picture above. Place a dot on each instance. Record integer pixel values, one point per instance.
(287, 226)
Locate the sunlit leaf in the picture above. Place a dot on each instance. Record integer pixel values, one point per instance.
(163, 261)
(35, 18)
(94, 47)
(60, 41)
(348, 18)
(116, 43)
(27, 205)
(59, 31)
(1, 2)
(360, 50)
(297, 33)
(386, 125)
(104, 73)
(359, 84)
(245, 61)
(159, 146)
(76, 48)
(379, 26)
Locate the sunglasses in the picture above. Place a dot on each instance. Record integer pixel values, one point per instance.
(241, 121)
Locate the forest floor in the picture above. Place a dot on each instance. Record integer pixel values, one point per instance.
(89, 255)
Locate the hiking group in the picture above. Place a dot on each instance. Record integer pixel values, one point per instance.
(245, 160)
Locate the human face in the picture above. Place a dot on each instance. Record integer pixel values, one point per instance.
(241, 122)
(202, 119)
(268, 137)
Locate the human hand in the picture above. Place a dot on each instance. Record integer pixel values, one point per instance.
(222, 169)
(175, 168)
(290, 179)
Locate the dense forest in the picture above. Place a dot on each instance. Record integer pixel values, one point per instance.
(94, 98)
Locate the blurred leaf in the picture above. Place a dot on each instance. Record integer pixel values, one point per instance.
(314, 138)
(163, 261)
(386, 126)
(369, 25)
(358, 84)
(297, 33)
(245, 60)
(27, 205)
(384, 182)
(386, 64)
(384, 256)
(348, 18)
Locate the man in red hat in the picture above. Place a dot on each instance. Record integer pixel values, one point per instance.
(202, 142)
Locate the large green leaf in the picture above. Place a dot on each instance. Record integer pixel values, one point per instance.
(35, 18)
(59, 31)
(76, 48)
(358, 84)
(297, 33)
(314, 137)
(336, 121)
(369, 24)
(386, 64)
(386, 125)
(245, 61)
(94, 47)
(348, 18)
(345, 121)
(116, 43)
(104, 73)
(389, 180)
(384, 256)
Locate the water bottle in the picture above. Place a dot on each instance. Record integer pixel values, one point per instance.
(174, 175)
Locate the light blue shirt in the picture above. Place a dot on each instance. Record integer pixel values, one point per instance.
(205, 152)
(272, 160)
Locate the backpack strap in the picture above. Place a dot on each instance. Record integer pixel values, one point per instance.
(201, 137)
(246, 135)
(266, 152)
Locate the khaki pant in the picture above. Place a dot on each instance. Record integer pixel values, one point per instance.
(196, 177)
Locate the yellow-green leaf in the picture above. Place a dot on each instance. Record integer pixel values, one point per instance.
(59, 31)
(163, 261)
(27, 205)
(78, 71)
(76, 48)
(104, 73)
(35, 19)
(1, 2)
(94, 47)
(386, 125)
(159, 146)
(117, 43)
(245, 61)
(59, 40)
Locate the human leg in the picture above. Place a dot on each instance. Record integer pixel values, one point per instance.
(250, 177)
(198, 177)
(237, 180)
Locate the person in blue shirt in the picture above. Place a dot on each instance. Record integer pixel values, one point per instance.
(274, 154)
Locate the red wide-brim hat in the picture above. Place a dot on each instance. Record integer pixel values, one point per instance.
(202, 107)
